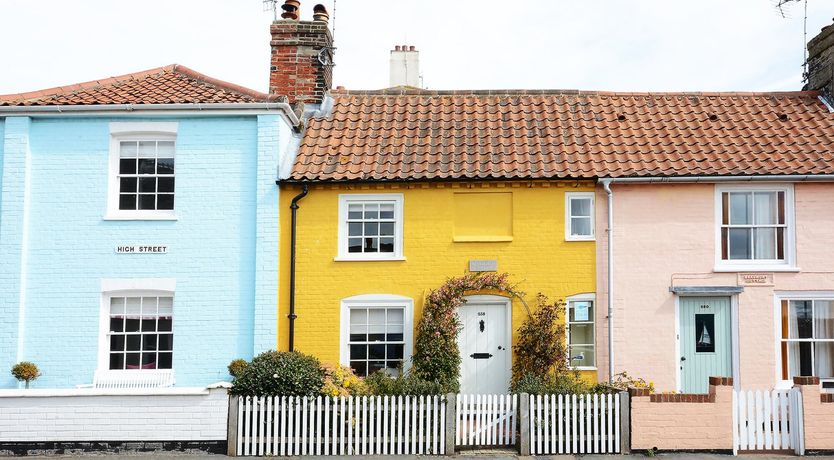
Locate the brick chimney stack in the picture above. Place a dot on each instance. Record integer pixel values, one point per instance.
(821, 63)
(301, 66)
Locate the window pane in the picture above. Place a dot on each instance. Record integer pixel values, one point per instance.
(580, 207)
(134, 342)
(824, 359)
(394, 351)
(127, 201)
(147, 201)
(117, 305)
(117, 361)
(117, 324)
(354, 229)
(149, 342)
(165, 184)
(371, 245)
(354, 211)
(386, 245)
(824, 319)
(376, 351)
(127, 184)
(358, 352)
(147, 184)
(581, 355)
(165, 166)
(582, 334)
(741, 208)
(765, 203)
(133, 306)
(386, 229)
(739, 243)
(148, 360)
(580, 226)
(164, 325)
(117, 343)
(148, 306)
(354, 244)
(165, 149)
(147, 166)
(127, 149)
(131, 325)
(127, 166)
(801, 325)
(705, 333)
(799, 357)
(358, 316)
(166, 342)
(371, 211)
(371, 229)
(165, 201)
(166, 306)
(725, 208)
(386, 211)
(375, 366)
(376, 316)
(165, 361)
(581, 311)
(360, 368)
(147, 149)
(765, 243)
(395, 316)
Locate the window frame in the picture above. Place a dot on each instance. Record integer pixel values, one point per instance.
(352, 198)
(753, 265)
(136, 131)
(587, 297)
(135, 287)
(780, 297)
(376, 301)
(570, 196)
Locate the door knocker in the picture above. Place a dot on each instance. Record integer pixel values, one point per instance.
(482, 325)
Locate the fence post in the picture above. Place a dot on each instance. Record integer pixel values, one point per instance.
(231, 427)
(451, 424)
(524, 419)
(625, 423)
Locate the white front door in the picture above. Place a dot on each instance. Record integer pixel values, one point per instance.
(484, 343)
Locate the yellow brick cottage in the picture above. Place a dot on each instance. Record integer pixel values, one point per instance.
(395, 192)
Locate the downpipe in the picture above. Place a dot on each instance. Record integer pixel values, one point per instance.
(606, 184)
(294, 211)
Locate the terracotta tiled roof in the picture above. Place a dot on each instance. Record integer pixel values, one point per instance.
(419, 135)
(173, 84)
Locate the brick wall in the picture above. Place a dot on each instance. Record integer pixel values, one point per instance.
(684, 422)
(112, 415)
(295, 69)
(818, 409)
(821, 62)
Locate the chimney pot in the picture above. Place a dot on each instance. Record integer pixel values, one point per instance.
(397, 48)
(412, 48)
(290, 8)
(320, 13)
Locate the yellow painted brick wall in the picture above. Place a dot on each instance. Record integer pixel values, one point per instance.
(538, 257)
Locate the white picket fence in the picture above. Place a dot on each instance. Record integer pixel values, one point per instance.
(355, 425)
(574, 424)
(485, 420)
(768, 420)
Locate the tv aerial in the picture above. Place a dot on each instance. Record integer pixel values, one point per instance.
(271, 5)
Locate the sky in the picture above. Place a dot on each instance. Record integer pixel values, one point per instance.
(615, 45)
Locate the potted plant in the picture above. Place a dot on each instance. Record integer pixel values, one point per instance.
(25, 371)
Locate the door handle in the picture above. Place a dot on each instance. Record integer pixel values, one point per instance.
(683, 358)
(480, 355)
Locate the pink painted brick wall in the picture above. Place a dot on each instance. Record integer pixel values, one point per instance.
(683, 425)
(819, 418)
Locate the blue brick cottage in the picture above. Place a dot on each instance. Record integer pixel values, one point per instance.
(139, 219)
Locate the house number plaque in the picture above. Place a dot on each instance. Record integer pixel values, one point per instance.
(483, 266)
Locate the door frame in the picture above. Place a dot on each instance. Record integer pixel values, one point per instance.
(492, 300)
(734, 348)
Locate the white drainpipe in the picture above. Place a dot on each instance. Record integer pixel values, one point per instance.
(606, 184)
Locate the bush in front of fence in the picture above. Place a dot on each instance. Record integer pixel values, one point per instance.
(237, 366)
(280, 373)
(380, 383)
(342, 381)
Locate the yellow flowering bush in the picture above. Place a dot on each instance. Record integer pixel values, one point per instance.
(341, 381)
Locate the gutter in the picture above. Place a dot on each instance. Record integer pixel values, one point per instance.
(292, 316)
(144, 109)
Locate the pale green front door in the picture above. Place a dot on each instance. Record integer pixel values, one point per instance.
(705, 342)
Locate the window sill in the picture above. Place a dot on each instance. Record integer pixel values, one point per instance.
(482, 239)
(581, 239)
(755, 268)
(163, 217)
(367, 259)
(584, 368)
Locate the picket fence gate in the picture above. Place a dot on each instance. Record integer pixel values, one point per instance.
(354, 425)
(485, 420)
(768, 420)
(574, 424)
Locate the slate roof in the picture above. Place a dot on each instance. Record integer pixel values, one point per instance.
(408, 135)
(173, 84)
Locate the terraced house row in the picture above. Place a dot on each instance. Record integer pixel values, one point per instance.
(689, 233)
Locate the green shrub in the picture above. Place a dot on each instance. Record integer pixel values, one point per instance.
(540, 349)
(237, 366)
(25, 371)
(567, 383)
(280, 373)
(380, 383)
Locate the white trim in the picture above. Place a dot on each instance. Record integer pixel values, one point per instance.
(778, 297)
(67, 392)
(579, 195)
(126, 131)
(584, 297)
(734, 337)
(677, 357)
(115, 287)
(731, 266)
(376, 300)
(347, 198)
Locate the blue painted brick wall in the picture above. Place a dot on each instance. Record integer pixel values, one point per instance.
(225, 179)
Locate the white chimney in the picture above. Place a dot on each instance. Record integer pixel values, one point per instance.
(405, 66)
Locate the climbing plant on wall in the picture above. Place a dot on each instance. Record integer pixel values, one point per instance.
(436, 354)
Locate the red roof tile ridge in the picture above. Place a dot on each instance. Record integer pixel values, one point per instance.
(411, 91)
(176, 68)
(57, 90)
